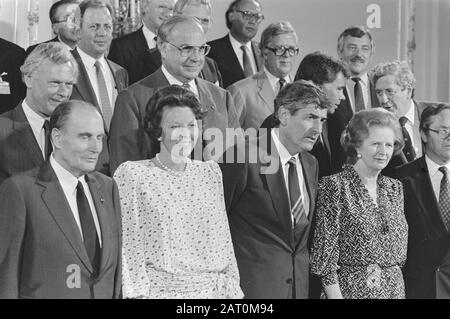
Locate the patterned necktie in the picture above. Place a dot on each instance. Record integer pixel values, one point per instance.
(281, 83)
(295, 198)
(408, 150)
(187, 86)
(248, 70)
(90, 237)
(444, 197)
(104, 96)
(48, 143)
(359, 100)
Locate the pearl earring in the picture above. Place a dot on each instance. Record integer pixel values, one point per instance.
(358, 156)
(159, 139)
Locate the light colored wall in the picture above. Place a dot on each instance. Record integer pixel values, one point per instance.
(318, 24)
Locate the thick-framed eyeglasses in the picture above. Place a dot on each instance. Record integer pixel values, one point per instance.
(188, 50)
(69, 20)
(280, 51)
(443, 132)
(248, 16)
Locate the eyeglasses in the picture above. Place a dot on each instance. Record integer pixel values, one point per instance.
(188, 50)
(70, 20)
(388, 92)
(248, 16)
(280, 51)
(204, 21)
(443, 132)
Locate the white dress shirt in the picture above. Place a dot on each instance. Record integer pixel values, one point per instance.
(69, 184)
(413, 129)
(365, 86)
(285, 156)
(37, 125)
(64, 44)
(172, 80)
(89, 64)
(240, 54)
(274, 81)
(149, 37)
(435, 175)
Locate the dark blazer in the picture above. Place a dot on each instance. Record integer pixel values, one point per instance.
(273, 258)
(129, 142)
(42, 254)
(19, 150)
(428, 241)
(32, 47)
(84, 91)
(12, 57)
(231, 70)
(336, 124)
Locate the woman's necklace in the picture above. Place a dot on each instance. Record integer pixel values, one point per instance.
(169, 170)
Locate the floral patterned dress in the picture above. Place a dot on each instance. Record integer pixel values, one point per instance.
(176, 238)
(357, 243)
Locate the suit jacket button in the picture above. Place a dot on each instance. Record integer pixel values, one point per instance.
(289, 281)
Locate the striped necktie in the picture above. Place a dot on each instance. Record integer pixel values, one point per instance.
(444, 197)
(104, 96)
(295, 197)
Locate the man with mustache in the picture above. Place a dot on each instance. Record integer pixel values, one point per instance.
(236, 54)
(270, 188)
(355, 47)
(49, 73)
(182, 43)
(253, 96)
(394, 86)
(99, 80)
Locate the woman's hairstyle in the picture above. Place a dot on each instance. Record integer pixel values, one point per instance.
(357, 129)
(167, 97)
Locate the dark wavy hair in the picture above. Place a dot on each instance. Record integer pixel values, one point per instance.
(169, 96)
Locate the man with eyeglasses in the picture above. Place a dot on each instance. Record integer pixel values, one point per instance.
(254, 96)
(427, 209)
(99, 80)
(49, 73)
(150, 60)
(394, 87)
(236, 54)
(128, 50)
(182, 43)
(62, 14)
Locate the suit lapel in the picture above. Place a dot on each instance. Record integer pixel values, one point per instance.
(119, 84)
(257, 56)
(84, 85)
(55, 200)
(234, 65)
(265, 90)
(326, 142)
(25, 134)
(309, 177)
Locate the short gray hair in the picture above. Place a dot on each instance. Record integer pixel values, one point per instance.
(165, 29)
(399, 69)
(54, 52)
(274, 29)
(181, 4)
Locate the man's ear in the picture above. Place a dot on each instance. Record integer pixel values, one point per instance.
(56, 137)
(424, 137)
(283, 116)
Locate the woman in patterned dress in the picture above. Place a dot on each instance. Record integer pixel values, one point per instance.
(176, 238)
(360, 240)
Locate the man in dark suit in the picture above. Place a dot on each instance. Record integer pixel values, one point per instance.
(394, 86)
(129, 51)
(49, 73)
(62, 17)
(149, 61)
(12, 89)
(355, 47)
(270, 189)
(182, 43)
(60, 222)
(236, 54)
(253, 96)
(99, 80)
(427, 209)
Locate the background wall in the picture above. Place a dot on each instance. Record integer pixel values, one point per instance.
(318, 23)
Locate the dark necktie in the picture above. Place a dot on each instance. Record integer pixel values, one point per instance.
(90, 237)
(282, 83)
(104, 96)
(408, 150)
(295, 198)
(48, 143)
(359, 100)
(248, 70)
(444, 197)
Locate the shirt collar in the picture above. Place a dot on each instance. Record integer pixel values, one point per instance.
(33, 118)
(433, 167)
(172, 80)
(66, 179)
(237, 45)
(273, 80)
(64, 44)
(410, 114)
(149, 36)
(364, 80)
(89, 61)
(285, 156)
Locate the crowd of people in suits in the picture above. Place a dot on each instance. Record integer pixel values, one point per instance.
(119, 177)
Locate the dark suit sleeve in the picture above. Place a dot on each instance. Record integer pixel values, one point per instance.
(115, 53)
(118, 213)
(12, 228)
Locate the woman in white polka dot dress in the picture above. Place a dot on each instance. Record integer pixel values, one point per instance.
(176, 238)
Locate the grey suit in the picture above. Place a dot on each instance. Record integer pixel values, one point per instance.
(42, 254)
